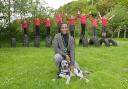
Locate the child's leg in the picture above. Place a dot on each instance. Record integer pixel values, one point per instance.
(25, 31)
(72, 28)
(37, 31)
(48, 31)
(104, 32)
(59, 27)
(83, 29)
(94, 31)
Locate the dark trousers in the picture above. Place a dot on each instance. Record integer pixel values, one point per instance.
(103, 31)
(25, 30)
(72, 33)
(59, 27)
(37, 30)
(83, 29)
(48, 31)
(94, 31)
(72, 28)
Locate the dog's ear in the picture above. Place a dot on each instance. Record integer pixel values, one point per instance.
(60, 66)
(78, 70)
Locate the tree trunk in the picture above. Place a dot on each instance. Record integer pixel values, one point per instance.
(9, 12)
(124, 34)
(92, 2)
(112, 34)
(118, 34)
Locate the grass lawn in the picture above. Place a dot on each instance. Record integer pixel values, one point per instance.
(34, 68)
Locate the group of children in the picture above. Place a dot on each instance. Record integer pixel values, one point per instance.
(71, 20)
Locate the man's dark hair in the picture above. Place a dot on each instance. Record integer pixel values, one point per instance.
(63, 23)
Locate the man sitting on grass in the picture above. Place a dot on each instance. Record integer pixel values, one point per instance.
(65, 50)
(64, 47)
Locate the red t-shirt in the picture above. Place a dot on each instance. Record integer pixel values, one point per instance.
(72, 21)
(83, 19)
(104, 21)
(37, 22)
(59, 19)
(47, 23)
(94, 22)
(24, 25)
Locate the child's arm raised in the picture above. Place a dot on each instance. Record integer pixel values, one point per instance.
(111, 17)
(67, 16)
(100, 15)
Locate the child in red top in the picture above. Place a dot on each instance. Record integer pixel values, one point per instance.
(24, 25)
(104, 22)
(47, 25)
(59, 21)
(37, 23)
(83, 20)
(94, 23)
(72, 21)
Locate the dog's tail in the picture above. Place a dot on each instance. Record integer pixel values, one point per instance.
(87, 72)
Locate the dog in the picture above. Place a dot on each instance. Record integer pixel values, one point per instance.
(66, 72)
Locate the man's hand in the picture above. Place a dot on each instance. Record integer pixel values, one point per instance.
(68, 58)
(72, 69)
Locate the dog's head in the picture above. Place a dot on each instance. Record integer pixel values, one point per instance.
(64, 64)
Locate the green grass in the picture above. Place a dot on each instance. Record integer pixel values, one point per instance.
(34, 68)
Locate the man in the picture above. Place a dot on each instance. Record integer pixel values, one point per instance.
(64, 47)
(105, 22)
(72, 21)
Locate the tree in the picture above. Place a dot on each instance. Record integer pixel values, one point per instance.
(105, 6)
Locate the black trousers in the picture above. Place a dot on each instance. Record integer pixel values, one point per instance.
(37, 30)
(103, 29)
(83, 26)
(72, 33)
(94, 31)
(25, 30)
(59, 27)
(48, 31)
(72, 29)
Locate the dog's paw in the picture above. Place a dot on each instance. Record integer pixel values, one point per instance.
(67, 83)
(87, 80)
(53, 80)
(87, 72)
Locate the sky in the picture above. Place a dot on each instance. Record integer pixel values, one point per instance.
(57, 3)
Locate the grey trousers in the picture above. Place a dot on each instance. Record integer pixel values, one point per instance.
(58, 58)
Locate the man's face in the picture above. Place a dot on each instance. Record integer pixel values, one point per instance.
(64, 29)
